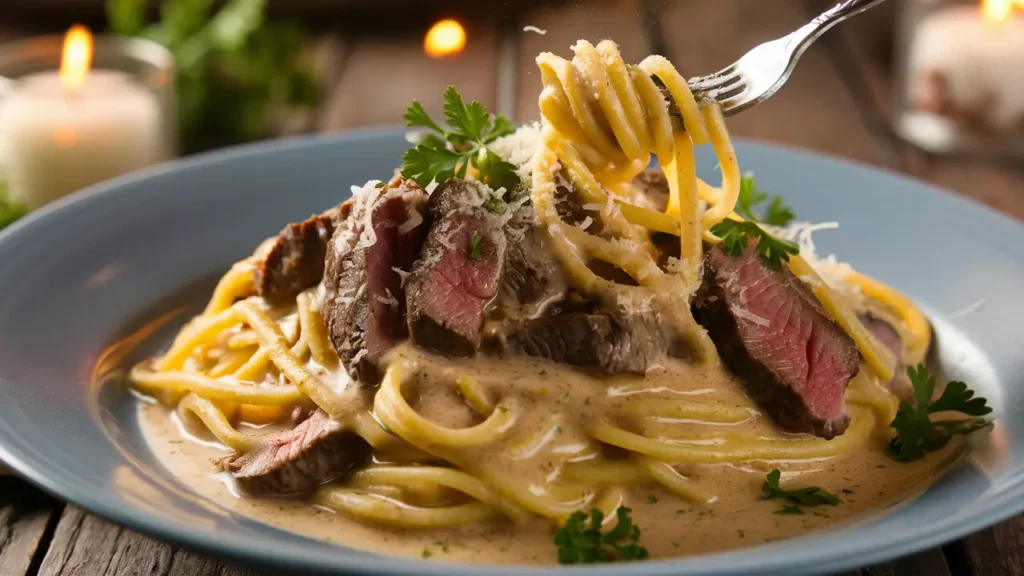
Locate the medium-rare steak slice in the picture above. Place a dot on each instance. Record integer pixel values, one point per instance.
(771, 331)
(457, 275)
(887, 335)
(294, 260)
(364, 287)
(316, 451)
(606, 343)
(531, 278)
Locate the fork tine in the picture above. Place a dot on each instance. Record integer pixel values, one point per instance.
(734, 86)
(705, 83)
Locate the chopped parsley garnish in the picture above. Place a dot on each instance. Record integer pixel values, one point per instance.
(737, 235)
(447, 152)
(652, 499)
(475, 252)
(580, 541)
(917, 434)
(778, 214)
(812, 496)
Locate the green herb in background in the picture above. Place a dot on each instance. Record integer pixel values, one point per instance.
(235, 69)
(9, 210)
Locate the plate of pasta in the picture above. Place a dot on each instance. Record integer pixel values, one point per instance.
(614, 340)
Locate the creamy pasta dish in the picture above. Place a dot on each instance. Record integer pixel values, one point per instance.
(527, 346)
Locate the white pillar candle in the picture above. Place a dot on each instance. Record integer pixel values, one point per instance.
(968, 65)
(57, 136)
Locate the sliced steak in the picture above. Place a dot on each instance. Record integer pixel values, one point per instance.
(772, 332)
(457, 275)
(887, 335)
(606, 343)
(367, 260)
(533, 279)
(316, 451)
(456, 193)
(294, 260)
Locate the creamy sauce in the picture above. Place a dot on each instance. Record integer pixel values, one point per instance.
(559, 404)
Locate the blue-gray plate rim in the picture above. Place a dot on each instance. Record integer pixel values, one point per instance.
(77, 273)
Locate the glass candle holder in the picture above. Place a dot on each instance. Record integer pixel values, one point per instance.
(960, 77)
(60, 132)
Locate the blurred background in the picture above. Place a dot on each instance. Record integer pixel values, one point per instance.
(254, 69)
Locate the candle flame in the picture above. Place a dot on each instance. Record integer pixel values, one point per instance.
(76, 59)
(998, 11)
(445, 38)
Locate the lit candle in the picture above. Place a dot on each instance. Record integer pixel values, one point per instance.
(60, 132)
(966, 64)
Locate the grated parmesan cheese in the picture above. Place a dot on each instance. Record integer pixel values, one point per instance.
(415, 219)
(586, 223)
(832, 270)
(519, 148)
(749, 316)
(402, 274)
(535, 30)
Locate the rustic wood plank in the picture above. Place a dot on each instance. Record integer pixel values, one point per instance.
(86, 545)
(24, 516)
(813, 110)
(618, 20)
(384, 73)
(996, 551)
(189, 564)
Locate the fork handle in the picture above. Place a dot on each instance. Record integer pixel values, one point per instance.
(811, 31)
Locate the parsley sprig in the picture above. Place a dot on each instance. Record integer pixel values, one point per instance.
(812, 496)
(581, 542)
(737, 235)
(778, 213)
(447, 152)
(917, 434)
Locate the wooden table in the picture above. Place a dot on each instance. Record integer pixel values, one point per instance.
(836, 102)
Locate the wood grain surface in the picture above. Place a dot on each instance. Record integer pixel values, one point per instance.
(838, 101)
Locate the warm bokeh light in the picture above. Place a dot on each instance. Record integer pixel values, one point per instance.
(445, 38)
(76, 58)
(997, 11)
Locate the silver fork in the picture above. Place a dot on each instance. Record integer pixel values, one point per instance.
(762, 71)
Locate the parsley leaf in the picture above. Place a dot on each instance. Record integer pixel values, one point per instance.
(447, 152)
(475, 252)
(813, 496)
(416, 117)
(778, 214)
(736, 236)
(917, 434)
(789, 509)
(580, 542)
